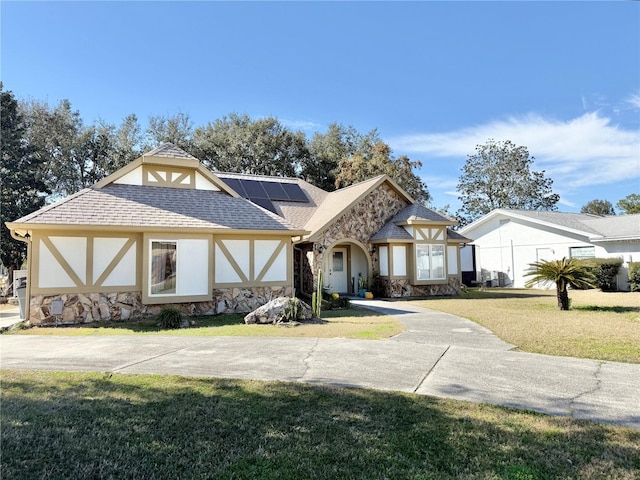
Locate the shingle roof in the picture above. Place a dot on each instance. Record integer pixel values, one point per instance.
(595, 228)
(612, 227)
(169, 150)
(164, 207)
(416, 211)
(616, 226)
(391, 231)
(453, 235)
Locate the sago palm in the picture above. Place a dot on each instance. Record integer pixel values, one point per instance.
(563, 273)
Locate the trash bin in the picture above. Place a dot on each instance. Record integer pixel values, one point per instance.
(21, 292)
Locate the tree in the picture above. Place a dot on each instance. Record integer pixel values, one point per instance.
(237, 143)
(377, 159)
(629, 204)
(499, 175)
(598, 207)
(128, 139)
(21, 187)
(325, 152)
(75, 156)
(54, 134)
(565, 272)
(176, 129)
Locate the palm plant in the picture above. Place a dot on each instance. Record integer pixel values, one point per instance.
(563, 273)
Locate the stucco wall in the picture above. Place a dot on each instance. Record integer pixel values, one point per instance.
(510, 247)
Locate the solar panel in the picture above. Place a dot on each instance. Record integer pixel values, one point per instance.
(254, 189)
(275, 191)
(236, 185)
(294, 192)
(266, 190)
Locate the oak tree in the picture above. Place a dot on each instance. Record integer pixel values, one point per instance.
(499, 175)
(598, 207)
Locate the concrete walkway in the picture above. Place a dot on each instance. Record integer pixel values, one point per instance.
(9, 317)
(439, 354)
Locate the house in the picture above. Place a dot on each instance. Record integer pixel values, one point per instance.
(166, 230)
(505, 242)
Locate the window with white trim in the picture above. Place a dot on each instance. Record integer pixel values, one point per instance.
(582, 252)
(430, 262)
(163, 267)
(178, 268)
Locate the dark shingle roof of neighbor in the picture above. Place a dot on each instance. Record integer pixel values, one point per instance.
(147, 206)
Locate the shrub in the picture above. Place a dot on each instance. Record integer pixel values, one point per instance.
(605, 271)
(170, 317)
(634, 276)
(377, 285)
(333, 300)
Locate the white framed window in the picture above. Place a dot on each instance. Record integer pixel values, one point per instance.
(163, 263)
(399, 260)
(177, 269)
(383, 257)
(582, 252)
(430, 262)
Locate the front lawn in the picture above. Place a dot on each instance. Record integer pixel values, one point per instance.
(78, 425)
(600, 325)
(354, 322)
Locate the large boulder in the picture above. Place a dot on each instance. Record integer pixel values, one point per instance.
(274, 311)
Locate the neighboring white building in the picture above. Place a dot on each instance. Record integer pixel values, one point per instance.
(505, 242)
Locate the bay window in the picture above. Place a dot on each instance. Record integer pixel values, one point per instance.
(430, 262)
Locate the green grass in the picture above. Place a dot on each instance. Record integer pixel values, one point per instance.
(353, 322)
(72, 425)
(599, 325)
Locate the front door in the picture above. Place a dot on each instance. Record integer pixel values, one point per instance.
(338, 270)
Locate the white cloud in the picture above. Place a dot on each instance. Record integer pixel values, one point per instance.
(634, 101)
(301, 125)
(588, 150)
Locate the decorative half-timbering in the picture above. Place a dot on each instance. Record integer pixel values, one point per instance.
(164, 229)
(161, 230)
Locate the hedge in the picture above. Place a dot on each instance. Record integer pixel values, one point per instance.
(634, 276)
(605, 271)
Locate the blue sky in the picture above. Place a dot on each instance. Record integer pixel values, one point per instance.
(435, 78)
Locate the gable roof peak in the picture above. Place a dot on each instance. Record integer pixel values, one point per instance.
(169, 150)
(417, 212)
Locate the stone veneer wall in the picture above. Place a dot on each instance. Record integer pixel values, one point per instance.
(402, 288)
(361, 222)
(92, 307)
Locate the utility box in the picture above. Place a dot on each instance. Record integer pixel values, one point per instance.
(21, 293)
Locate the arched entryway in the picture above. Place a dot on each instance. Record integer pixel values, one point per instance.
(345, 263)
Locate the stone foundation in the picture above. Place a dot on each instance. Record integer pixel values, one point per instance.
(93, 307)
(401, 288)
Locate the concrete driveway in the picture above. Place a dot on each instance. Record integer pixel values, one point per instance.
(438, 354)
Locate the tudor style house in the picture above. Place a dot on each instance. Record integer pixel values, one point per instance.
(166, 230)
